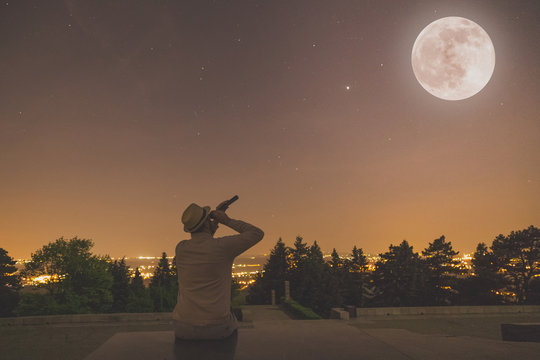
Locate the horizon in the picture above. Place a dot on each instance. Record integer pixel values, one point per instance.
(249, 253)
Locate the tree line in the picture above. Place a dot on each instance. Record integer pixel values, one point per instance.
(77, 281)
(506, 272)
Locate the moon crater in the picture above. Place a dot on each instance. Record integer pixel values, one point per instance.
(453, 58)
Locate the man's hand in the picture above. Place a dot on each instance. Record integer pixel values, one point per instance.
(220, 217)
(221, 204)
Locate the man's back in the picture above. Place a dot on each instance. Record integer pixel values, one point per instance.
(204, 274)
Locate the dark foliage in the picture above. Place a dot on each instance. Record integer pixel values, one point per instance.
(518, 255)
(398, 277)
(164, 286)
(120, 285)
(440, 270)
(79, 282)
(139, 299)
(9, 284)
(275, 273)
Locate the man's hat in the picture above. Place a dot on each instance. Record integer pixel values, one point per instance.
(194, 216)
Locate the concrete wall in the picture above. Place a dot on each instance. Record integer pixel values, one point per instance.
(85, 318)
(447, 310)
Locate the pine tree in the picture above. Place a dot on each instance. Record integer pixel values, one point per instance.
(356, 283)
(139, 299)
(9, 284)
(298, 253)
(480, 287)
(163, 286)
(120, 286)
(317, 288)
(335, 261)
(440, 271)
(358, 262)
(275, 271)
(396, 277)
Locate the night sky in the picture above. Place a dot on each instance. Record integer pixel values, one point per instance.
(115, 116)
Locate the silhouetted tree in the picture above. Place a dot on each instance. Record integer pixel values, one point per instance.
(79, 281)
(336, 263)
(518, 255)
(396, 277)
(139, 299)
(258, 292)
(9, 284)
(440, 272)
(357, 288)
(358, 261)
(339, 274)
(316, 288)
(164, 286)
(298, 253)
(273, 277)
(120, 286)
(298, 257)
(479, 288)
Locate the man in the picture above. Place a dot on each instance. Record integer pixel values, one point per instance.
(204, 273)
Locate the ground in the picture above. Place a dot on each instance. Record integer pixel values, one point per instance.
(76, 341)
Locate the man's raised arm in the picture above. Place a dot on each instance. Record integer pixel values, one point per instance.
(248, 236)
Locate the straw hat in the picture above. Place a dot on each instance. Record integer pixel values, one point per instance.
(194, 216)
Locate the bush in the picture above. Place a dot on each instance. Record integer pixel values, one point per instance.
(298, 311)
(8, 301)
(32, 304)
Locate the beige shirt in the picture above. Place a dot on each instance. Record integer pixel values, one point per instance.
(204, 266)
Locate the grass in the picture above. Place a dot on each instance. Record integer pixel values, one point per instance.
(480, 325)
(297, 311)
(64, 341)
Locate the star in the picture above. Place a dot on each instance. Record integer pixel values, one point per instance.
(347, 87)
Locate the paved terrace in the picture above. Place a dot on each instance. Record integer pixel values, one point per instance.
(270, 334)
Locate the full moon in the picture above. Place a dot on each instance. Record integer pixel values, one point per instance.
(453, 58)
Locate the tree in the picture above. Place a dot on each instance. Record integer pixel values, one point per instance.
(273, 277)
(120, 286)
(77, 281)
(164, 286)
(396, 277)
(315, 287)
(339, 274)
(356, 284)
(9, 284)
(335, 261)
(518, 256)
(298, 253)
(358, 261)
(139, 299)
(440, 271)
(480, 287)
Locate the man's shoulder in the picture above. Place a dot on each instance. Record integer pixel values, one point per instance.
(181, 244)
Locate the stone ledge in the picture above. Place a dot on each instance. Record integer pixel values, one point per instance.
(521, 332)
(447, 310)
(339, 313)
(84, 318)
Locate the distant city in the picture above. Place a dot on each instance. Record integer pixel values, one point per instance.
(244, 270)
